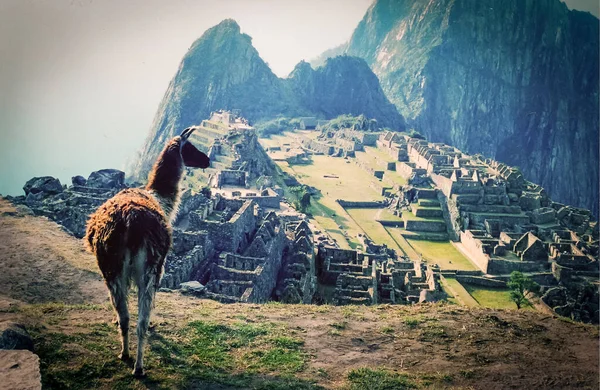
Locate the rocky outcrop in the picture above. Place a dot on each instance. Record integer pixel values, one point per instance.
(516, 80)
(45, 185)
(222, 70)
(70, 207)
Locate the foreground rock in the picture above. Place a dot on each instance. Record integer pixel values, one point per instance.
(20, 370)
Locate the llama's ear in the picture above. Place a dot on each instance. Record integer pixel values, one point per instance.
(194, 158)
(185, 134)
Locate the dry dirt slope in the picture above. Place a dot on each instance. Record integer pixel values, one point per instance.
(50, 284)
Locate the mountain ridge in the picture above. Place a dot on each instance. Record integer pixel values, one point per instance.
(222, 70)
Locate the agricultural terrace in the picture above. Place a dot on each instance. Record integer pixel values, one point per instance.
(343, 178)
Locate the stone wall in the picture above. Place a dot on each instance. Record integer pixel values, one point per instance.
(316, 146)
(348, 204)
(451, 216)
(270, 200)
(475, 251)
(500, 266)
(425, 226)
(231, 177)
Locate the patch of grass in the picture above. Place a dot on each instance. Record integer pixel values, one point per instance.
(442, 253)
(495, 298)
(412, 322)
(280, 360)
(467, 374)
(366, 219)
(339, 325)
(287, 342)
(433, 333)
(387, 329)
(430, 379)
(188, 356)
(378, 379)
(460, 294)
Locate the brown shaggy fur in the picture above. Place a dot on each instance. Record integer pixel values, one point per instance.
(167, 170)
(124, 222)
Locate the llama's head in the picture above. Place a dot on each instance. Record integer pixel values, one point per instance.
(192, 157)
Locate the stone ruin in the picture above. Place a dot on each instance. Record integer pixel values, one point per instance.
(505, 222)
(355, 277)
(239, 252)
(237, 159)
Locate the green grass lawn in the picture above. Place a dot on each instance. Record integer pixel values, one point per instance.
(380, 154)
(442, 253)
(366, 219)
(408, 250)
(351, 183)
(494, 298)
(460, 294)
(387, 215)
(393, 177)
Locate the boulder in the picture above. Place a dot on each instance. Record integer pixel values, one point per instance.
(47, 185)
(14, 336)
(192, 287)
(20, 370)
(78, 180)
(106, 178)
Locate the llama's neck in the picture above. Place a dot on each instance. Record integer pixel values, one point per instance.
(164, 178)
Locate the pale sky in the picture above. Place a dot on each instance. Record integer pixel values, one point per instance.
(80, 80)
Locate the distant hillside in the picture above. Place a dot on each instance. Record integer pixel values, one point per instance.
(222, 70)
(516, 80)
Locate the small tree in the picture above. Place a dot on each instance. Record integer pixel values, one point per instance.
(302, 196)
(518, 284)
(305, 201)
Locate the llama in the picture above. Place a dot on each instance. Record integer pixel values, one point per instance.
(130, 235)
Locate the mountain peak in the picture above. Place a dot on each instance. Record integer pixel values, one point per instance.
(229, 24)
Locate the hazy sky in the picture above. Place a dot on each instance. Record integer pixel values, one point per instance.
(80, 80)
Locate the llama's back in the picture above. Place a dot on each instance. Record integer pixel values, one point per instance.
(127, 222)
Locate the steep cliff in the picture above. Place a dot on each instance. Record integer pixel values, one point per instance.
(516, 80)
(222, 70)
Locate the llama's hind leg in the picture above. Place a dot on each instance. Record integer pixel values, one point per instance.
(147, 285)
(118, 294)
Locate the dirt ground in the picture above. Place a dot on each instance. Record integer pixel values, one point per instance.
(445, 345)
